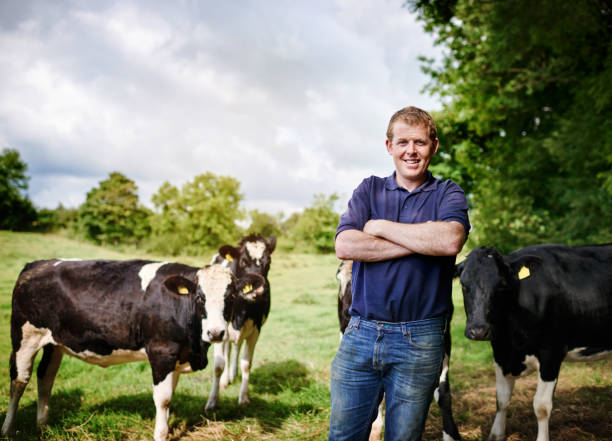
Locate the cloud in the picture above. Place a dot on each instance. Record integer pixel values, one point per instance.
(290, 98)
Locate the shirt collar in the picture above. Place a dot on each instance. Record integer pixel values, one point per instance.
(430, 184)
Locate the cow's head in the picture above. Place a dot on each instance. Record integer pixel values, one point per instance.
(484, 279)
(490, 283)
(217, 290)
(255, 254)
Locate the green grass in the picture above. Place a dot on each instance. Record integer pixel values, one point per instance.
(289, 380)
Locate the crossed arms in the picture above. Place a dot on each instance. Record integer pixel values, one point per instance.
(383, 240)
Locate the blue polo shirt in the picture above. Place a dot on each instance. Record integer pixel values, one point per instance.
(414, 287)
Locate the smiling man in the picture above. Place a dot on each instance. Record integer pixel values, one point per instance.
(403, 233)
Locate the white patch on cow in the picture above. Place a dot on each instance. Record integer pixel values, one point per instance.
(256, 250)
(32, 340)
(504, 386)
(377, 425)
(344, 275)
(162, 395)
(118, 356)
(575, 355)
(69, 259)
(148, 273)
(447, 437)
(219, 363)
(234, 334)
(214, 281)
(542, 406)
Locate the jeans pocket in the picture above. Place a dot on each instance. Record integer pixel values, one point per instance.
(430, 339)
(353, 325)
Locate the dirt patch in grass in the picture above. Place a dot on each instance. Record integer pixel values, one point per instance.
(582, 411)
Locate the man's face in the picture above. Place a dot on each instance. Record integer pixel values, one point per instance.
(411, 150)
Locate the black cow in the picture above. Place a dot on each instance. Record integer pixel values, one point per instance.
(539, 306)
(250, 259)
(442, 393)
(110, 312)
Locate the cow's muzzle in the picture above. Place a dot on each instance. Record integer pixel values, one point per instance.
(215, 335)
(478, 332)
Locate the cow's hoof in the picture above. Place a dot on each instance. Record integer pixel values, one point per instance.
(243, 401)
(211, 406)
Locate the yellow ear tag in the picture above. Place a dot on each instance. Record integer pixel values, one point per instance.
(247, 289)
(183, 290)
(229, 257)
(524, 273)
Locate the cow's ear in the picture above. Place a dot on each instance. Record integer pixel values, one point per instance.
(229, 253)
(525, 266)
(459, 269)
(251, 286)
(272, 243)
(179, 286)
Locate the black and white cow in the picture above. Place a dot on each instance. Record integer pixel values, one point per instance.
(538, 306)
(110, 312)
(442, 394)
(251, 259)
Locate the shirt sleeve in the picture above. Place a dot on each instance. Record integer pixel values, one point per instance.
(358, 211)
(454, 206)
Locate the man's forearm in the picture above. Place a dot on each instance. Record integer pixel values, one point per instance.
(430, 238)
(364, 247)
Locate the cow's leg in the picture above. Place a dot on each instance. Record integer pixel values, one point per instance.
(443, 397)
(162, 396)
(47, 370)
(234, 362)
(245, 366)
(550, 360)
(377, 425)
(505, 386)
(21, 366)
(227, 347)
(219, 364)
(542, 406)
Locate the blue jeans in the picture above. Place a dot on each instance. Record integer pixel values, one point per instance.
(401, 361)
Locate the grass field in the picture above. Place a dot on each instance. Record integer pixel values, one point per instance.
(290, 378)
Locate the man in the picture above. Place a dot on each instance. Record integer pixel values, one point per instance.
(403, 232)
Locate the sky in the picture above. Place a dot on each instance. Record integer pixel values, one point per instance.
(290, 98)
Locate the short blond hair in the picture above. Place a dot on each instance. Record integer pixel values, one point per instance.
(413, 116)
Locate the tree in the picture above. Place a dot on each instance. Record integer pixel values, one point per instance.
(199, 216)
(264, 223)
(111, 213)
(316, 226)
(16, 209)
(527, 89)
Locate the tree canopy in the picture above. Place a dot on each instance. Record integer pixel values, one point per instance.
(527, 95)
(317, 225)
(111, 213)
(16, 209)
(199, 216)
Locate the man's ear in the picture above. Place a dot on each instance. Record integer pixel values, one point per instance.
(436, 144)
(389, 145)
